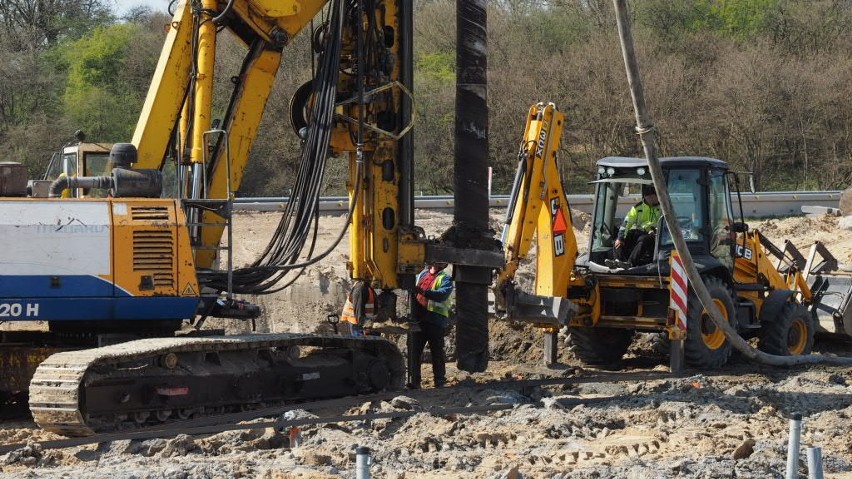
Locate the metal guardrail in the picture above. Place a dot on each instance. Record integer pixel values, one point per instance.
(755, 205)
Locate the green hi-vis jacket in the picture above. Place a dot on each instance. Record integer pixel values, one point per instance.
(642, 216)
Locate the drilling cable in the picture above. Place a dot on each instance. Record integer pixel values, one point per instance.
(300, 218)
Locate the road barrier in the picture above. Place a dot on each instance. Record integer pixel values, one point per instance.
(755, 205)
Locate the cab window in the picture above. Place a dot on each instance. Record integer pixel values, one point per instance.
(685, 187)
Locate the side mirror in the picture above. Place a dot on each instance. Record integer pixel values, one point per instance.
(739, 227)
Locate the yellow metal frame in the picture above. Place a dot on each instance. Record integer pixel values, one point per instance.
(374, 237)
(242, 129)
(166, 94)
(265, 26)
(172, 77)
(541, 210)
(753, 265)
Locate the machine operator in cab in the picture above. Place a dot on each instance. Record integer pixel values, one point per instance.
(635, 243)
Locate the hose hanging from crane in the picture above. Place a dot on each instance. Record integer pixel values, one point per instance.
(282, 255)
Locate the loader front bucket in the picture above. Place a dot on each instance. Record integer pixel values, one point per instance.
(832, 294)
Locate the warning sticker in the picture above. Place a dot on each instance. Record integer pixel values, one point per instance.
(559, 223)
(188, 290)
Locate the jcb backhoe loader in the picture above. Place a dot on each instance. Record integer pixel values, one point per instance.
(604, 303)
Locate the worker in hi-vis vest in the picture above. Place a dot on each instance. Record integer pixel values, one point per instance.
(431, 310)
(360, 309)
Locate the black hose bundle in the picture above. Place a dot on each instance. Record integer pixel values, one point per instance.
(300, 219)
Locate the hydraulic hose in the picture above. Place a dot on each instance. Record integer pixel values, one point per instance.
(282, 254)
(645, 129)
(221, 16)
(70, 182)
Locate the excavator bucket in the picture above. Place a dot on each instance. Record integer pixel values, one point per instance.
(831, 288)
(833, 312)
(829, 285)
(542, 310)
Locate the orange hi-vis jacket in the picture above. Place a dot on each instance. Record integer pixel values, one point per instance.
(348, 314)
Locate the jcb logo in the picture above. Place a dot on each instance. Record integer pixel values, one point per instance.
(558, 227)
(744, 252)
(559, 244)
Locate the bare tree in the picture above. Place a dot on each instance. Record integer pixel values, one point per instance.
(45, 22)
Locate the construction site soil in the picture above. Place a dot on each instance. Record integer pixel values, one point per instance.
(703, 424)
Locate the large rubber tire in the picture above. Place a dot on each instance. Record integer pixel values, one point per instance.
(597, 345)
(706, 346)
(791, 333)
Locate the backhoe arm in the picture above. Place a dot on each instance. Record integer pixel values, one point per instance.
(538, 210)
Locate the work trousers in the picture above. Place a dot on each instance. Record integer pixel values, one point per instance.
(432, 334)
(637, 249)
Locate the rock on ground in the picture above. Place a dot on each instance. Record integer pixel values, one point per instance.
(728, 423)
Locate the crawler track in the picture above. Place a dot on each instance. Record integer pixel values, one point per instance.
(235, 421)
(133, 384)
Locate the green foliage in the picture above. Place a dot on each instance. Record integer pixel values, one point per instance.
(738, 18)
(438, 66)
(672, 21)
(39, 24)
(97, 97)
(762, 84)
(553, 30)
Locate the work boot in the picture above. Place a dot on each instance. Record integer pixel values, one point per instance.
(617, 264)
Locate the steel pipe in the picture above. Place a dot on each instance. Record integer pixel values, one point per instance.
(793, 444)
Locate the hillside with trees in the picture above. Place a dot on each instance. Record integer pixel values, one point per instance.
(762, 84)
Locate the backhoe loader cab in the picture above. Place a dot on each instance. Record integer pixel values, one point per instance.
(699, 193)
(762, 290)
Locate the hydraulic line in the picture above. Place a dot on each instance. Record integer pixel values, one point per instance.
(284, 250)
(221, 16)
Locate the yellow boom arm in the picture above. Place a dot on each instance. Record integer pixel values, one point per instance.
(367, 129)
(538, 210)
(178, 92)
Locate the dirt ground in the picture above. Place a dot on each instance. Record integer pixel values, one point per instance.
(721, 424)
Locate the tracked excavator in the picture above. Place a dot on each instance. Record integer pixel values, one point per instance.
(778, 295)
(100, 271)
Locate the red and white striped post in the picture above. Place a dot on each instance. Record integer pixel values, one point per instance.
(676, 324)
